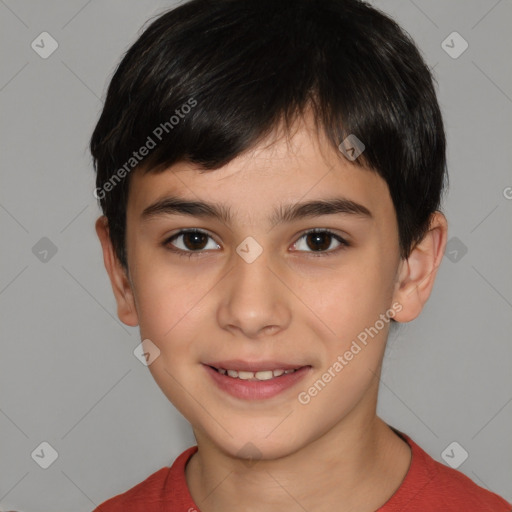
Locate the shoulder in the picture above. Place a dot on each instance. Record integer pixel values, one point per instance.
(451, 487)
(430, 486)
(157, 489)
(138, 496)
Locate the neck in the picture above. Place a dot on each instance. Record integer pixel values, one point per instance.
(356, 466)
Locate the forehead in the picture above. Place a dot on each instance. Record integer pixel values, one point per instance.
(291, 168)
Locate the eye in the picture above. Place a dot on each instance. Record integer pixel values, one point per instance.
(192, 244)
(320, 240)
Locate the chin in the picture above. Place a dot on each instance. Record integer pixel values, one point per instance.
(253, 443)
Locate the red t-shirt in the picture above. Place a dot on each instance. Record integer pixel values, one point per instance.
(428, 486)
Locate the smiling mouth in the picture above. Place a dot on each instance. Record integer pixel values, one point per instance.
(261, 375)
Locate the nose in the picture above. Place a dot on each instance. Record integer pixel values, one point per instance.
(254, 299)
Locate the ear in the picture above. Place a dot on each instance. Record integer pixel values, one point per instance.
(416, 274)
(121, 286)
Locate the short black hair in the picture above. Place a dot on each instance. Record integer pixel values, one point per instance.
(208, 80)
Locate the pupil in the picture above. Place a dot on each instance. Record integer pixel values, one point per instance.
(318, 237)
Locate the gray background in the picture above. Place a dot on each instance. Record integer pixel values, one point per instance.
(68, 375)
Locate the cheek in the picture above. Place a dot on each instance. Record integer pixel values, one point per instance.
(164, 294)
(170, 308)
(354, 348)
(157, 305)
(172, 305)
(354, 298)
(333, 395)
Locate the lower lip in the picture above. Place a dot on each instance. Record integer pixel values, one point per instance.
(257, 390)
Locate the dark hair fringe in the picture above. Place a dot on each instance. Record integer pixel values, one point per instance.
(252, 65)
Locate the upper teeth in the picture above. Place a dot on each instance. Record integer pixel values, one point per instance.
(261, 375)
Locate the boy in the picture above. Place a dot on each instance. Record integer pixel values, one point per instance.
(265, 129)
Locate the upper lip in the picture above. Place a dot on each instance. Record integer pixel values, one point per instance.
(254, 366)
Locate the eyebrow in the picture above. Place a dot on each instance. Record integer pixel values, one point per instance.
(282, 214)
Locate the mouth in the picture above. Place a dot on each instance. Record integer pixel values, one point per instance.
(255, 381)
(260, 375)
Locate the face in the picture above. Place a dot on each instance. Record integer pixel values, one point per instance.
(258, 292)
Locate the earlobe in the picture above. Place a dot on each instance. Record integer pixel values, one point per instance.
(417, 274)
(121, 286)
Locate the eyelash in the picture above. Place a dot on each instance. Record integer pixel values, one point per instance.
(190, 254)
